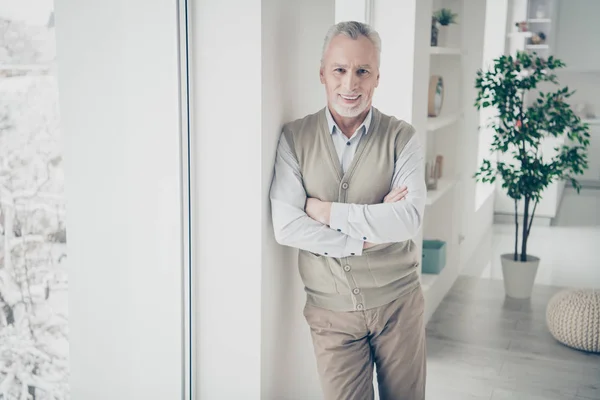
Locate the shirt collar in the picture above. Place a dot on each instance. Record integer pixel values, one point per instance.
(333, 126)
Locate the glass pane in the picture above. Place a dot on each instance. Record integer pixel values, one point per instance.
(33, 277)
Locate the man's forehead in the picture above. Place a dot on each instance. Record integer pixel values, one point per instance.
(344, 51)
(343, 65)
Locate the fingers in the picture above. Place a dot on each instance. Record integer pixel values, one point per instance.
(396, 198)
(396, 195)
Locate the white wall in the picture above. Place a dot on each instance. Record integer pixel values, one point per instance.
(575, 37)
(253, 340)
(118, 88)
(577, 34)
(227, 149)
(483, 40)
(402, 90)
(395, 19)
(352, 10)
(292, 39)
(493, 45)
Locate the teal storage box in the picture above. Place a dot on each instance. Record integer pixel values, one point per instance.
(434, 256)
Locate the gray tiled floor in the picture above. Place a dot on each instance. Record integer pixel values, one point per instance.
(482, 345)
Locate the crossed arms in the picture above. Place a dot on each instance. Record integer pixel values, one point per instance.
(312, 225)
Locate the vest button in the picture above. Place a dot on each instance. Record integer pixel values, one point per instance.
(347, 268)
(359, 306)
(345, 185)
(356, 290)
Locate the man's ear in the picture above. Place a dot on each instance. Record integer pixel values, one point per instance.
(321, 76)
(377, 84)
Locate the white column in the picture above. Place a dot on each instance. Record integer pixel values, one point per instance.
(256, 66)
(228, 196)
(119, 107)
(353, 10)
(293, 34)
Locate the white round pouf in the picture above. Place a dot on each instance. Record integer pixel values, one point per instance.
(573, 318)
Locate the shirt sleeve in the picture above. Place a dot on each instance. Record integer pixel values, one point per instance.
(389, 222)
(292, 226)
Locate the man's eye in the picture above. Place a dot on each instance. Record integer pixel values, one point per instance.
(362, 71)
(340, 70)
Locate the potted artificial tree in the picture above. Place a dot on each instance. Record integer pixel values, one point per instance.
(520, 127)
(442, 17)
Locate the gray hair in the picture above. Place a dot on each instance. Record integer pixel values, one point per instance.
(353, 30)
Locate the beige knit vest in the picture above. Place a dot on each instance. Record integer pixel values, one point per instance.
(384, 272)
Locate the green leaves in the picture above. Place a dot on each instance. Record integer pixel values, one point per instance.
(521, 126)
(445, 16)
(525, 118)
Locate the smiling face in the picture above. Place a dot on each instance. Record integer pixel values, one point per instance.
(350, 74)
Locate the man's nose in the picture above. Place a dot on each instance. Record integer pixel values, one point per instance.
(350, 81)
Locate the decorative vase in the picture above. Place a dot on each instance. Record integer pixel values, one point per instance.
(519, 275)
(434, 33)
(435, 96)
(442, 36)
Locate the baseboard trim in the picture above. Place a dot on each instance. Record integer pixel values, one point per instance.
(501, 218)
(587, 184)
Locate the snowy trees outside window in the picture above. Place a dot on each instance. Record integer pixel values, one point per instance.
(33, 276)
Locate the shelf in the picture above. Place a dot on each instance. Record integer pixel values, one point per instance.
(521, 35)
(445, 50)
(536, 46)
(539, 21)
(427, 281)
(444, 186)
(435, 123)
(592, 121)
(578, 70)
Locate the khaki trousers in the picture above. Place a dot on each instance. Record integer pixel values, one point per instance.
(347, 344)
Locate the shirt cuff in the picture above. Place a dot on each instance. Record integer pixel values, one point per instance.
(338, 218)
(354, 247)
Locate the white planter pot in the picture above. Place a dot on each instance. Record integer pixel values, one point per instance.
(519, 275)
(443, 37)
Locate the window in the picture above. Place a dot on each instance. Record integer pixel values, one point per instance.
(33, 277)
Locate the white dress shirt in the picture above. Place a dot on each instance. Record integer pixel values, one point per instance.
(345, 147)
(380, 223)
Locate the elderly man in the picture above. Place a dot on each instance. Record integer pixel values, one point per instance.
(349, 192)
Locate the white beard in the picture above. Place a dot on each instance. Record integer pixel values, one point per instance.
(350, 112)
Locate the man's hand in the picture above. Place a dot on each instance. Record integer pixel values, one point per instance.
(396, 195)
(321, 210)
(318, 210)
(393, 196)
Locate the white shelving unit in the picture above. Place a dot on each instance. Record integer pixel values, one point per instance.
(539, 16)
(436, 123)
(444, 186)
(537, 46)
(519, 35)
(539, 21)
(427, 281)
(443, 214)
(445, 50)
